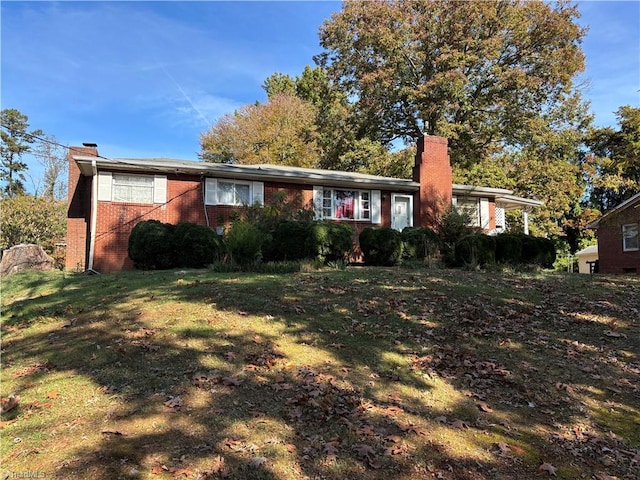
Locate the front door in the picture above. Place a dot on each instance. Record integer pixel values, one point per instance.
(401, 211)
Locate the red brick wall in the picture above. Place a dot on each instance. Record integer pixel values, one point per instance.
(78, 212)
(612, 258)
(184, 203)
(433, 171)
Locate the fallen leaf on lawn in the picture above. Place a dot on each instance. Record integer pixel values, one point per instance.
(364, 450)
(411, 428)
(52, 395)
(484, 407)
(393, 438)
(199, 379)
(291, 448)
(4, 423)
(231, 381)
(157, 470)
(257, 462)
(9, 403)
(395, 450)
(174, 403)
(375, 464)
(257, 340)
(504, 448)
(229, 356)
(459, 424)
(547, 468)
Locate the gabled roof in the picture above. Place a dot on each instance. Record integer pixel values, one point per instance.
(590, 250)
(627, 203)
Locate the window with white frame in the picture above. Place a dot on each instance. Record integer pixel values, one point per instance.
(470, 207)
(126, 188)
(132, 188)
(346, 204)
(222, 191)
(343, 204)
(630, 239)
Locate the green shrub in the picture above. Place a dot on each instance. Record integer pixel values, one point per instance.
(475, 251)
(452, 227)
(419, 243)
(530, 250)
(547, 255)
(151, 245)
(288, 241)
(509, 248)
(329, 241)
(196, 245)
(381, 246)
(244, 242)
(28, 219)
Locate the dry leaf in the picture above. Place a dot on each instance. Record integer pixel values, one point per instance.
(364, 450)
(547, 468)
(459, 424)
(484, 407)
(231, 381)
(174, 403)
(9, 403)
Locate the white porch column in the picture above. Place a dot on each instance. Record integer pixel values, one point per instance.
(525, 218)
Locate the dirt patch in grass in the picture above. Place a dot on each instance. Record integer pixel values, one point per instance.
(361, 373)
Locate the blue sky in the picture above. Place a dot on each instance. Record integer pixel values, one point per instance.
(144, 79)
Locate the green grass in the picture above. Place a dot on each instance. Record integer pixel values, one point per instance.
(337, 374)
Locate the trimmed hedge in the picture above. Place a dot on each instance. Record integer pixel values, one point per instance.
(514, 249)
(508, 248)
(381, 246)
(419, 243)
(476, 250)
(151, 245)
(154, 245)
(289, 241)
(329, 241)
(196, 245)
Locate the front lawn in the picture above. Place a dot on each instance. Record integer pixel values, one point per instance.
(339, 374)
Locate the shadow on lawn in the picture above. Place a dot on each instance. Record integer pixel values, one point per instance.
(198, 394)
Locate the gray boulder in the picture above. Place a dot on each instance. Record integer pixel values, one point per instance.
(25, 257)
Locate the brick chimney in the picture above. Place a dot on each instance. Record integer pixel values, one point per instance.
(78, 210)
(433, 171)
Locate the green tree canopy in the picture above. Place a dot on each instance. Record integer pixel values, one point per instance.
(281, 131)
(481, 74)
(15, 142)
(614, 166)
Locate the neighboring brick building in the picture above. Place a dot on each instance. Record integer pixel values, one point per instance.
(108, 197)
(618, 238)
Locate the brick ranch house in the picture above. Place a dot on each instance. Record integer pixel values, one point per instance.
(619, 238)
(108, 197)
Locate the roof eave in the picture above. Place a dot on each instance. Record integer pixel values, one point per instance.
(245, 172)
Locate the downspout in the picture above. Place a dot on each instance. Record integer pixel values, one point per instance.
(94, 216)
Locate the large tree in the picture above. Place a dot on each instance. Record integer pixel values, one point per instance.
(16, 140)
(281, 131)
(614, 166)
(482, 74)
(52, 156)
